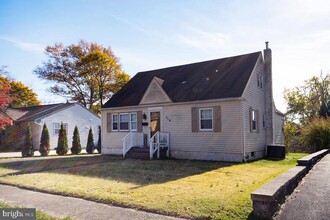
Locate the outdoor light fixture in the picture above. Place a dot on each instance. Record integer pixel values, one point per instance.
(144, 116)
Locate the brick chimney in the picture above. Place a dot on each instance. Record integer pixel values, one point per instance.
(269, 94)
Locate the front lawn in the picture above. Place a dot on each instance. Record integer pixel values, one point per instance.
(197, 189)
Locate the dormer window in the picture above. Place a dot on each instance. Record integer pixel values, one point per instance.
(260, 81)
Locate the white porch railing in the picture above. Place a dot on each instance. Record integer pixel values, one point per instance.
(157, 141)
(132, 139)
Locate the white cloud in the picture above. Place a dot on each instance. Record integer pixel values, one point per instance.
(137, 27)
(206, 41)
(30, 47)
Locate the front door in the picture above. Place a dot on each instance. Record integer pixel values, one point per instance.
(154, 124)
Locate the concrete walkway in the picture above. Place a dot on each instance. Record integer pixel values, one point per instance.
(311, 199)
(62, 206)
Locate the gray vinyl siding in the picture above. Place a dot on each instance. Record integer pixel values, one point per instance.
(177, 120)
(183, 139)
(278, 129)
(255, 99)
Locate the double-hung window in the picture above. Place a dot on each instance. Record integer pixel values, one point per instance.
(206, 119)
(123, 122)
(115, 122)
(254, 120)
(57, 127)
(133, 121)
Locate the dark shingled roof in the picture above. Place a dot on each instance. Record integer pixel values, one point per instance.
(214, 79)
(34, 112)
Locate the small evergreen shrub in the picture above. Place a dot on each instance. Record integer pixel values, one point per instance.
(99, 142)
(28, 150)
(76, 146)
(90, 142)
(62, 143)
(44, 147)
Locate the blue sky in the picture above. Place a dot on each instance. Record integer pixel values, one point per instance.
(157, 33)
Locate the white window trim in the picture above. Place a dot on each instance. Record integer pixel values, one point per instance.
(130, 121)
(199, 120)
(65, 124)
(119, 121)
(112, 122)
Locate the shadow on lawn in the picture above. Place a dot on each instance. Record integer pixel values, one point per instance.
(141, 172)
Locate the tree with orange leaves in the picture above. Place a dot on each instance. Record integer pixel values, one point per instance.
(4, 98)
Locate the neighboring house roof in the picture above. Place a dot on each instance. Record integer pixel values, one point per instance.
(214, 79)
(34, 112)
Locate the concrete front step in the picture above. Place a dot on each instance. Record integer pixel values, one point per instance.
(138, 153)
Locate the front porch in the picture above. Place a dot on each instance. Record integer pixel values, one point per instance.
(136, 145)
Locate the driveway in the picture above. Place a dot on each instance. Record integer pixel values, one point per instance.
(311, 199)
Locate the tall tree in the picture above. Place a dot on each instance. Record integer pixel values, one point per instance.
(309, 100)
(28, 150)
(90, 142)
(4, 97)
(76, 146)
(44, 147)
(86, 72)
(22, 96)
(62, 143)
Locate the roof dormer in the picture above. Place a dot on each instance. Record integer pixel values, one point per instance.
(155, 93)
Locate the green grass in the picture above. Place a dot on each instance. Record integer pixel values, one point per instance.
(197, 189)
(40, 215)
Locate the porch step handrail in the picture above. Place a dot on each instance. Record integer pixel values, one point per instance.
(157, 141)
(132, 139)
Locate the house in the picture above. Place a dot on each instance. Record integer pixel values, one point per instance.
(220, 110)
(71, 114)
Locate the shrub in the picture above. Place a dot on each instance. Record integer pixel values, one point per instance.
(316, 134)
(90, 142)
(99, 142)
(62, 144)
(76, 146)
(44, 147)
(28, 150)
